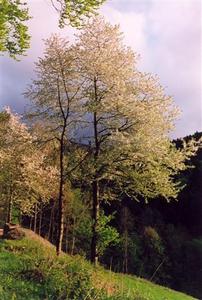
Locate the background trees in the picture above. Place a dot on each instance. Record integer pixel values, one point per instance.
(14, 141)
(25, 175)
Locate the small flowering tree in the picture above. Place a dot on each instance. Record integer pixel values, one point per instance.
(24, 174)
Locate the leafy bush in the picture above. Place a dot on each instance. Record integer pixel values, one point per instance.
(107, 235)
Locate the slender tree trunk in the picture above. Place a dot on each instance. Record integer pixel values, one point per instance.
(95, 216)
(30, 224)
(95, 189)
(50, 224)
(66, 237)
(125, 224)
(54, 229)
(60, 198)
(10, 207)
(35, 218)
(40, 219)
(65, 115)
(73, 237)
(73, 245)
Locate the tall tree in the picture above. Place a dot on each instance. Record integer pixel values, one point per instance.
(129, 121)
(54, 95)
(127, 117)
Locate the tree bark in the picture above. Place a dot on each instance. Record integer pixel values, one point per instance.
(60, 197)
(51, 222)
(73, 237)
(40, 218)
(65, 116)
(125, 224)
(30, 223)
(10, 207)
(66, 237)
(95, 216)
(95, 188)
(35, 218)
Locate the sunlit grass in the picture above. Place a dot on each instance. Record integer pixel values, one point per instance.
(30, 269)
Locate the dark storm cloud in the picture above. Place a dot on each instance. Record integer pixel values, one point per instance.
(13, 82)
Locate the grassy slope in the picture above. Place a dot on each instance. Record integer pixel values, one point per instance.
(30, 270)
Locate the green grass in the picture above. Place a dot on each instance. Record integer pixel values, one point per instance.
(29, 269)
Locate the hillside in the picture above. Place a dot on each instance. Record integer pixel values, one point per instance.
(29, 269)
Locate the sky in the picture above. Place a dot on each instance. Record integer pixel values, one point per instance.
(166, 33)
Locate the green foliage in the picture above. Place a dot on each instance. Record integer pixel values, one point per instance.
(74, 285)
(184, 256)
(52, 278)
(107, 235)
(78, 218)
(75, 11)
(153, 254)
(14, 37)
(163, 253)
(192, 261)
(78, 224)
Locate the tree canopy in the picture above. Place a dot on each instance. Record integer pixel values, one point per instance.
(14, 36)
(26, 177)
(75, 12)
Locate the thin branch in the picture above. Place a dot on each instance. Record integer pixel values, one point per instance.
(77, 165)
(59, 99)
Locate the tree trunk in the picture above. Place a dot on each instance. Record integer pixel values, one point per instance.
(60, 221)
(95, 187)
(40, 218)
(73, 237)
(125, 224)
(10, 207)
(60, 198)
(66, 237)
(30, 223)
(73, 245)
(95, 216)
(51, 222)
(35, 218)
